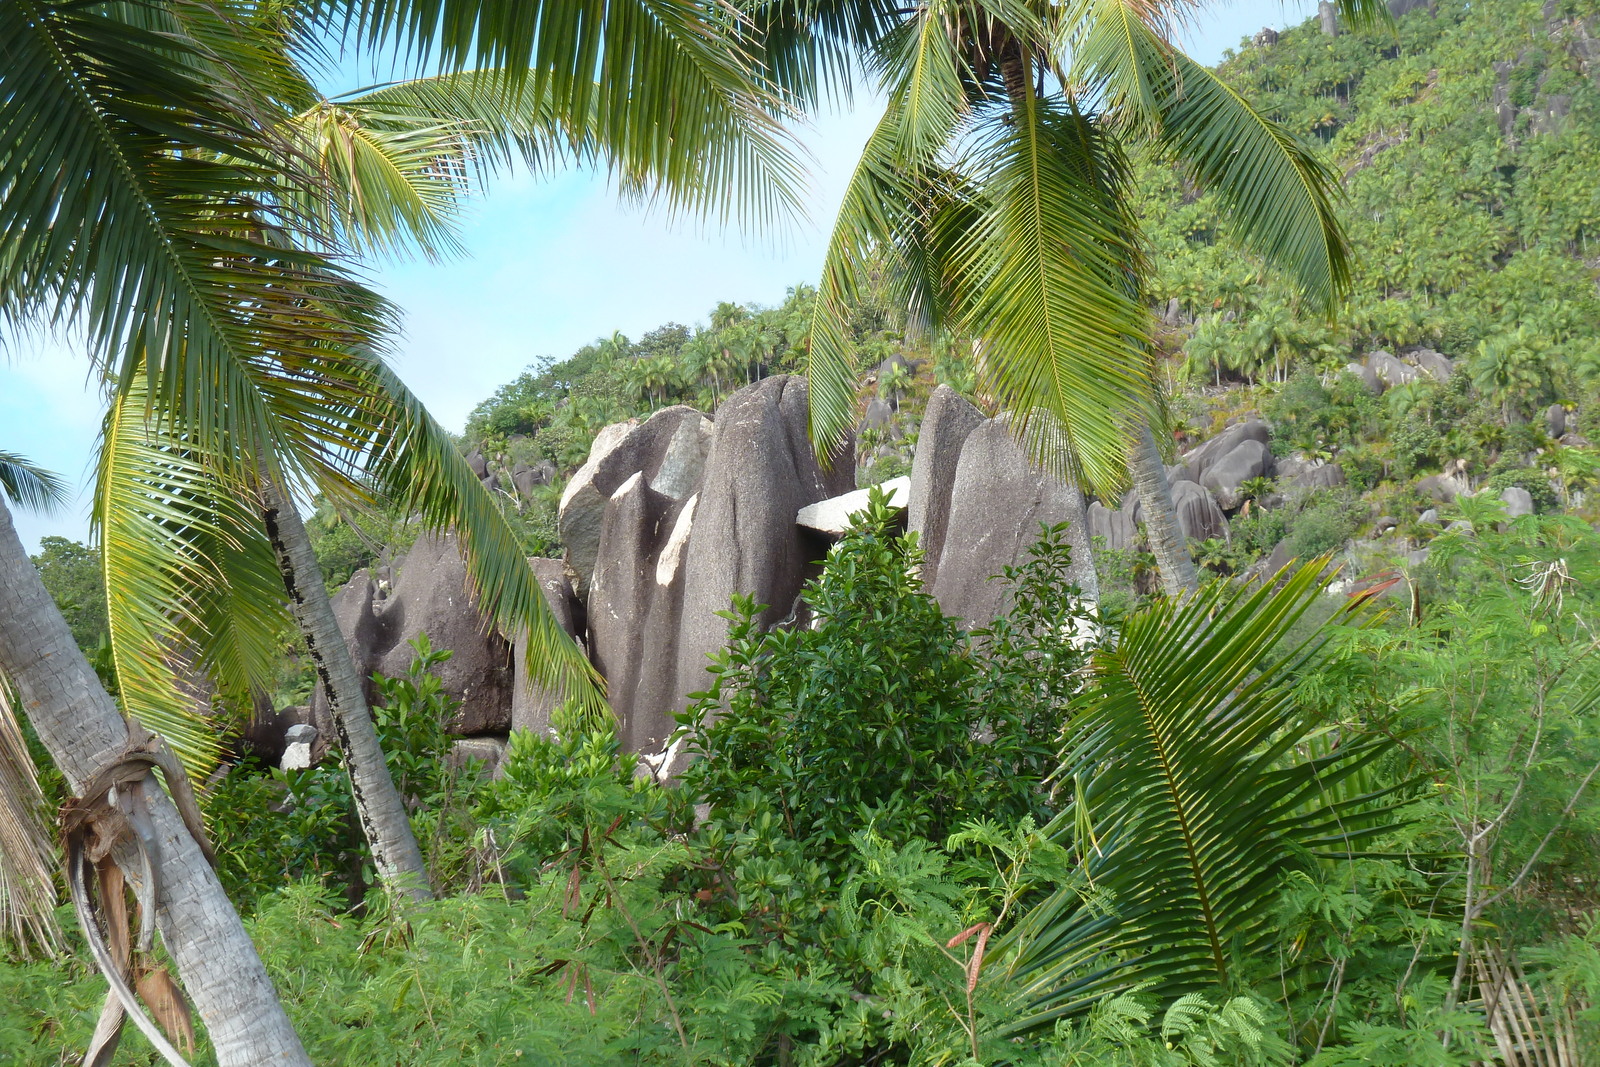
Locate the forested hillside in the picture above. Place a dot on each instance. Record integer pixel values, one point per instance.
(1341, 812)
(1466, 142)
(1466, 139)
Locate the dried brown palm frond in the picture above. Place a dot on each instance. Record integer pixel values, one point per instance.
(27, 858)
(1533, 1024)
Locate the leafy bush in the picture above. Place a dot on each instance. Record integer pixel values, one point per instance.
(879, 714)
(1326, 521)
(1534, 480)
(301, 823)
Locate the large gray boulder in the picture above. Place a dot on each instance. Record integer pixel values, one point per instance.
(1433, 363)
(1248, 459)
(1518, 501)
(1328, 18)
(832, 516)
(1444, 488)
(431, 596)
(997, 503)
(1114, 526)
(528, 478)
(1198, 514)
(371, 621)
(1555, 420)
(669, 448)
(947, 422)
(741, 536)
(490, 752)
(634, 608)
(879, 415)
(1321, 476)
(531, 703)
(1391, 371)
(1368, 376)
(1200, 460)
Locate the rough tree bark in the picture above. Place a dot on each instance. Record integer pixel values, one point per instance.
(1160, 515)
(379, 809)
(80, 725)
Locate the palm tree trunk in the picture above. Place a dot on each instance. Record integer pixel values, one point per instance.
(80, 725)
(378, 806)
(1160, 515)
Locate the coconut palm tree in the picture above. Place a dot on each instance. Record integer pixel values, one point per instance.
(993, 193)
(155, 172)
(27, 878)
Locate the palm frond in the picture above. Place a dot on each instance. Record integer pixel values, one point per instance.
(666, 86)
(193, 597)
(1050, 269)
(29, 485)
(895, 213)
(1202, 793)
(1277, 194)
(905, 220)
(27, 860)
(395, 161)
(390, 182)
(872, 209)
(1365, 16)
(137, 195)
(807, 50)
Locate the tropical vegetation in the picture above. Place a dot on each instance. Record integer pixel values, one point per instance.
(1266, 823)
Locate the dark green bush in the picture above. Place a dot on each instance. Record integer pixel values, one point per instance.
(881, 714)
(1326, 521)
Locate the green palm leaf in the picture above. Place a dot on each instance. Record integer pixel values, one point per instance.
(136, 192)
(1187, 744)
(666, 86)
(27, 860)
(1049, 269)
(1276, 192)
(411, 460)
(391, 182)
(898, 213)
(878, 206)
(189, 594)
(394, 162)
(29, 485)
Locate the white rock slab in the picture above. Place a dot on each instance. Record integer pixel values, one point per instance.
(832, 516)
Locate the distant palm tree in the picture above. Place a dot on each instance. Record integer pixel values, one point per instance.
(1510, 370)
(725, 314)
(993, 200)
(614, 348)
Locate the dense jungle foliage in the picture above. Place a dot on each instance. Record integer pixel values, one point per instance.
(903, 844)
(1408, 795)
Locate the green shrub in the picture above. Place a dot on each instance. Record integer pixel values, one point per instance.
(302, 822)
(1533, 479)
(1325, 522)
(881, 714)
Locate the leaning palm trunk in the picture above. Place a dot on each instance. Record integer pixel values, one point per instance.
(378, 806)
(80, 725)
(1160, 514)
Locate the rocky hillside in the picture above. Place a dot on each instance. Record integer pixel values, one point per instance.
(1467, 359)
(658, 478)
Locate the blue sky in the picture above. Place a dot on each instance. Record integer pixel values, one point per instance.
(552, 264)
